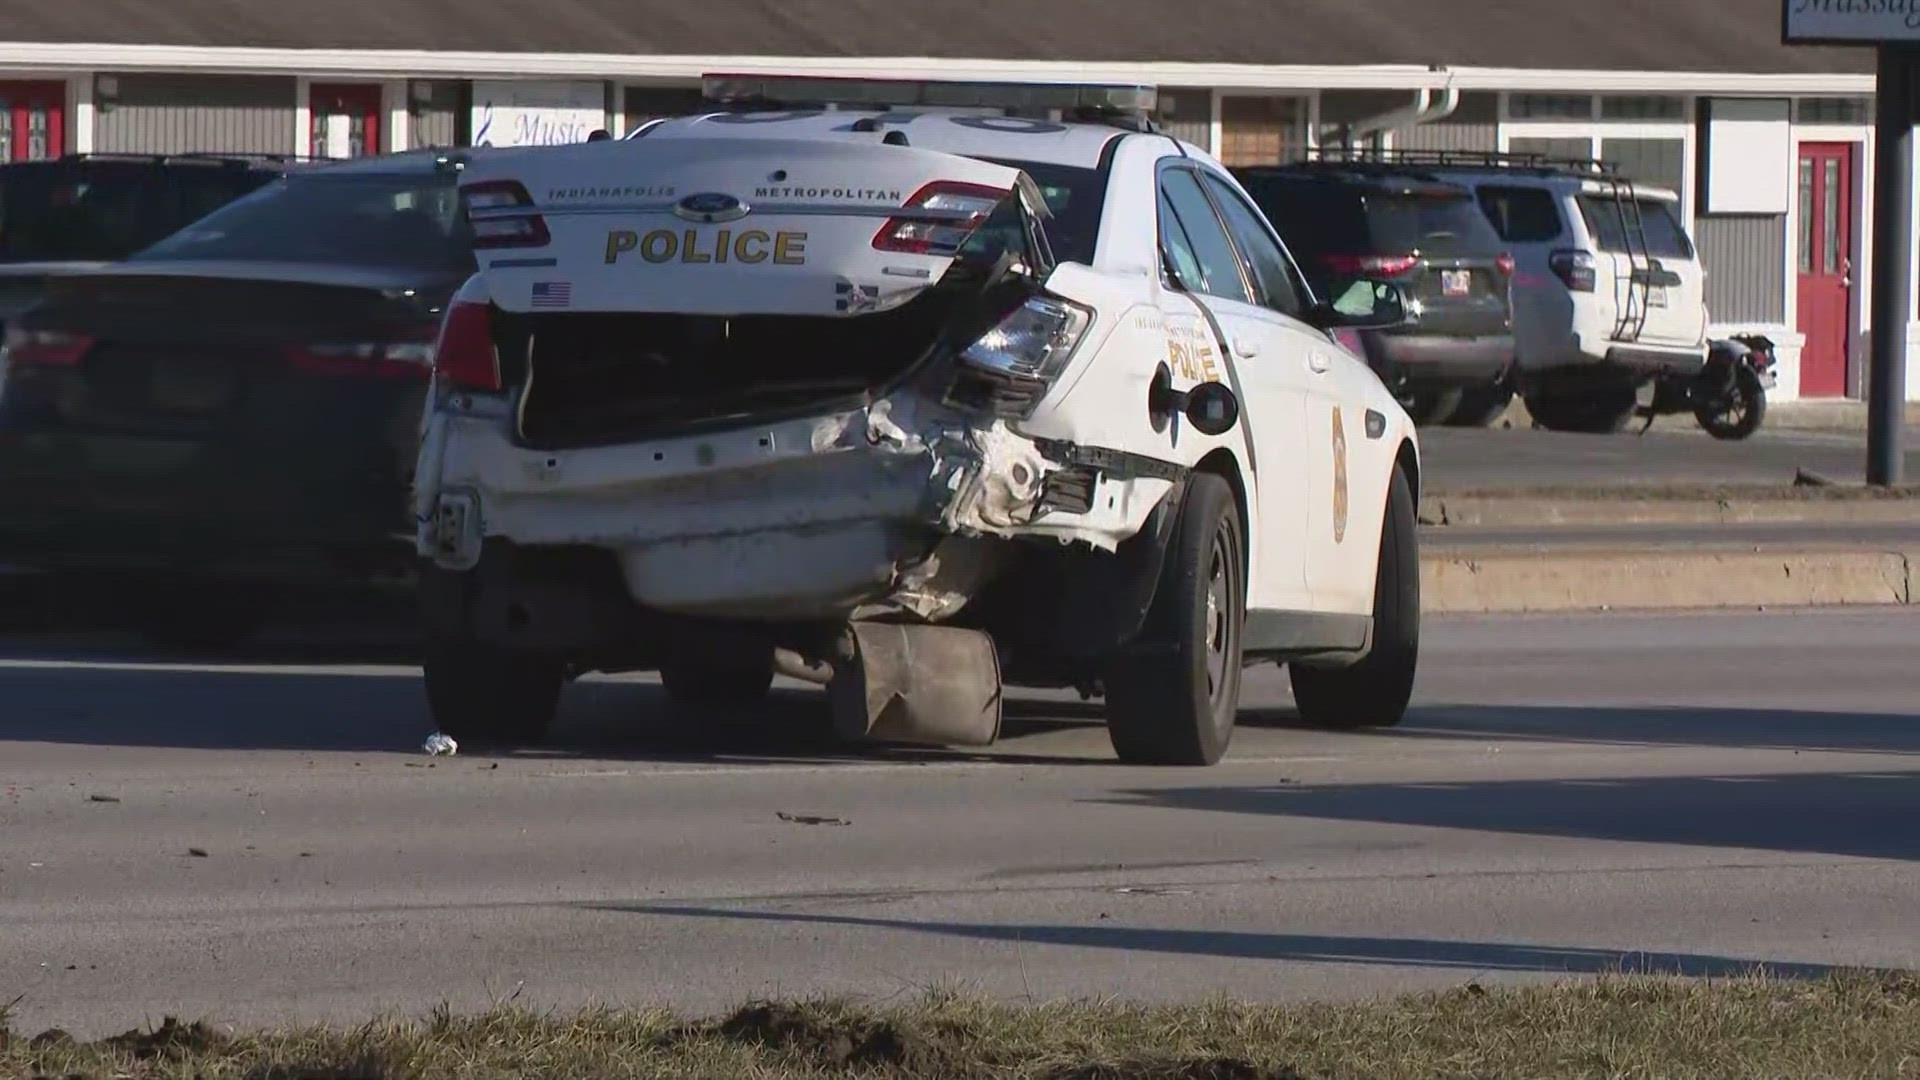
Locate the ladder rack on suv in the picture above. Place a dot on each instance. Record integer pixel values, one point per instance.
(1633, 292)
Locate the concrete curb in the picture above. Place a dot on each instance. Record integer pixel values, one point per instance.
(1496, 511)
(1598, 581)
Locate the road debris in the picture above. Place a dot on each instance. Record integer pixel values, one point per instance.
(811, 819)
(198, 853)
(440, 744)
(103, 798)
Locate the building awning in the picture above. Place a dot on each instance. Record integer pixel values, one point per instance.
(1734, 36)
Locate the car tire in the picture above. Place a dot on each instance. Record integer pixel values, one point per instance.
(1602, 411)
(1173, 701)
(718, 679)
(1480, 406)
(1740, 419)
(1374, 692)
(490, 696)
(1429, 408)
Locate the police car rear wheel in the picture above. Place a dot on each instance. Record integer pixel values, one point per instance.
(1375, 691)
(489, 696)
(1173, 701)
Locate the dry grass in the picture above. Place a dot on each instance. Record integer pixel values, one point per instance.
(1847, 1026)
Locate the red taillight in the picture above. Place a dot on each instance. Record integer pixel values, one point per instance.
(44, 348)
(1575, 269)
(465, 356)
(501, 214)
(939, 218)
(1383, 265)
(399, 360)
(1504, 264)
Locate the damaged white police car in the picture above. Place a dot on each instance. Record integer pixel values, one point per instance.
(844, 382)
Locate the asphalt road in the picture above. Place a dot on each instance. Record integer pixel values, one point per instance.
(1571, 796)
(1456, 459)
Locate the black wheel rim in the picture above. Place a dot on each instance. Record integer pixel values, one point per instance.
(1219, 613)
(1736, 411)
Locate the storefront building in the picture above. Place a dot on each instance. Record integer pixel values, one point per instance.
(1770, 147)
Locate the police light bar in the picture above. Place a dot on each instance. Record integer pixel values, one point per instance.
(795, 91)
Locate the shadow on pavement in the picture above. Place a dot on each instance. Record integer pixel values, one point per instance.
(1302, 948)
(1865, 814)
(319, 708)
(1747, 729)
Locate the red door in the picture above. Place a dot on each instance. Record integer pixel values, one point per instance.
(1826, 265)
(346, 120)
(32, 121)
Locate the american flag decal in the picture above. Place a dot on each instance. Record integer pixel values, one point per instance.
(552, 294)
(854, 298)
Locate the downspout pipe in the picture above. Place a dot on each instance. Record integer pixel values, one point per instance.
(1428, 106)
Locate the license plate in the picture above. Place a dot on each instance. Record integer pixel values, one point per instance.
(1456, 282)
(185, 386)
(1657, 296)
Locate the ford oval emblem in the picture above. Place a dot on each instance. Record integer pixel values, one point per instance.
(710, 207)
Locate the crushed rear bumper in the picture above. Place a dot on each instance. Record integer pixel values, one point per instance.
(901, 507)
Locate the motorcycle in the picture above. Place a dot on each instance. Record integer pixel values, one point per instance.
(1728, 396)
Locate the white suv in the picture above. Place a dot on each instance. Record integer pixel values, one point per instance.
(1608, 293)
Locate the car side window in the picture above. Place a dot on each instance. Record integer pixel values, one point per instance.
(1175, 245)
(1212, 255)
(1269, 267)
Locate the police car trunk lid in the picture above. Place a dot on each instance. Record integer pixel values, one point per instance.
(737, 226)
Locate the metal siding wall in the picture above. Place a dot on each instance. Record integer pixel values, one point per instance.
(1187, 115)
(436, 121)
(1581, 149)
(1745, 256)
(1339, 107)
(175, 114)
(1474, 126)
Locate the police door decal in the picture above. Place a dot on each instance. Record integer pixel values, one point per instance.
(1339, 477)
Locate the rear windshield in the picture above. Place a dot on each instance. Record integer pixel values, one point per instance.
(1075, 196)
(105, 212)
(373, 220)
(1318, 219)
(1611, 223)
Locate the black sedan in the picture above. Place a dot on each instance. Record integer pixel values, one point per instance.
(233, 413)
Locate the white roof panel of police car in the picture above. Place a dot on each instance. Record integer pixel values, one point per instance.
(947, 131)
(967, 119)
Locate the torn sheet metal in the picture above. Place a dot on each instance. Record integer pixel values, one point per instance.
(803, 518)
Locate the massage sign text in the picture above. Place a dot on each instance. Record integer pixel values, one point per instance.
(1861, 21)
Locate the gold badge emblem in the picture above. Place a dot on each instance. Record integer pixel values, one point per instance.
(1339, 477)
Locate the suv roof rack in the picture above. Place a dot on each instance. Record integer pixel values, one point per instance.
(1359, 159)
